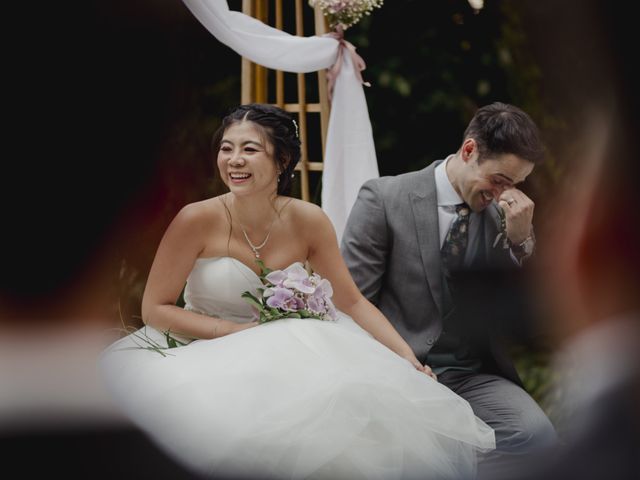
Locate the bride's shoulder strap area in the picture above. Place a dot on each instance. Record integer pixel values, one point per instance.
(285, 205)
(301, 209)
(200, 215)
(307, 217)
(196, 223)
(312, 222)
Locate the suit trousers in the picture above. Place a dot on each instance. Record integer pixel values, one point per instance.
(520, 425)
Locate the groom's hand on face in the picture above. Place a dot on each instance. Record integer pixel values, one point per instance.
(518, 210)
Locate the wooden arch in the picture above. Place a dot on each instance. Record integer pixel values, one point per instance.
(256, 82)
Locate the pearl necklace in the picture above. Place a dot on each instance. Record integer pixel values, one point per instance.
(253, 247)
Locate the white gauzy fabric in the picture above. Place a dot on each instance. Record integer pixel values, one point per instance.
(350, 157)
(293, 398)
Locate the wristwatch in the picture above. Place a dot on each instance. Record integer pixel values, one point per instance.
(523, 249)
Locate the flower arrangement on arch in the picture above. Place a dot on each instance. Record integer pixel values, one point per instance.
(291, 293)
(345, 13)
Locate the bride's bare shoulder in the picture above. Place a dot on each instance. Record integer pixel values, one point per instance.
(203, 214)
(305, 213)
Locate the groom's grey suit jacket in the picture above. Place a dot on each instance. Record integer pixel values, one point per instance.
(391, 246)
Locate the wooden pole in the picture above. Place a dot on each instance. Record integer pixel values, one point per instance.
(279, 73)
(302, 114)
(322, 27)
(246, 93)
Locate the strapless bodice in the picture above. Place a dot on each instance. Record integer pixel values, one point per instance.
(215, 285)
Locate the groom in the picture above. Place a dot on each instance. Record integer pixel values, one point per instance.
(409, 241)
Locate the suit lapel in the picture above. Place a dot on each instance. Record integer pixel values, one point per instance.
(424, 205)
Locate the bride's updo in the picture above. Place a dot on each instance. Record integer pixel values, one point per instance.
(280, 130)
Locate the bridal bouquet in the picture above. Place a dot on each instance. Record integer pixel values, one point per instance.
(292, 293)
(345, 13)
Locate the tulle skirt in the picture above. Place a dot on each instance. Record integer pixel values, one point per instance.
(295, 399)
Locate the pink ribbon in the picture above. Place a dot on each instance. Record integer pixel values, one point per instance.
(358, 62)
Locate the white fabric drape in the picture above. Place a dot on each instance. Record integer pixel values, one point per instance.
(350, 157)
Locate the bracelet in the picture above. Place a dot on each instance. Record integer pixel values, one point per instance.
(215, 329)
(524, 248)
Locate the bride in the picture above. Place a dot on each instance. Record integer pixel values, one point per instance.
(292, 398)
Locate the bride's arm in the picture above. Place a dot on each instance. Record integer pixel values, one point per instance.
(326, 260)
(176, 255)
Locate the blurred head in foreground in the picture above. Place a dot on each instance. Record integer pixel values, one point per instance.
(589, 255)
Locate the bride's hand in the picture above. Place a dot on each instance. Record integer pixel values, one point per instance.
(426, 369)
(227, 327)
(243, 326)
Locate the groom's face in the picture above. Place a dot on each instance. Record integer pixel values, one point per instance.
(482, 181)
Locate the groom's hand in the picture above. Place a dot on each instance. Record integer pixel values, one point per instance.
(518, 210)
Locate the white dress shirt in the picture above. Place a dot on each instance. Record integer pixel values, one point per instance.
(447, 197)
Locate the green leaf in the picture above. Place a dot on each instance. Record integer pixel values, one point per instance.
(249, 295)
(266, 318)
(182, 344)
(152, 344)
(253, 301)
(158, 350)
(264, 270)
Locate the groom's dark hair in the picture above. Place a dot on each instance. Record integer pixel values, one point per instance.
(500, 128)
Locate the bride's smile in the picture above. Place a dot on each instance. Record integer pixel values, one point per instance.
(245, 160)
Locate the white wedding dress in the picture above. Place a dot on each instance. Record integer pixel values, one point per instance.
(291, 398)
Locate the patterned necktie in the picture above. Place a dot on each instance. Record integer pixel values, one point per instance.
(455, 243)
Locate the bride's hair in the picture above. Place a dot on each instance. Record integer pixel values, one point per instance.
(280, 130)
